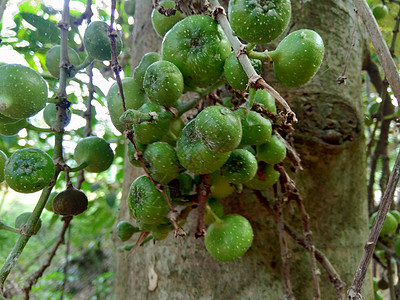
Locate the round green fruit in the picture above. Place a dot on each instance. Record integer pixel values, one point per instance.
(21, 220)
(29, 170)
(7, 120)
(162, 23)
(265, 177)
(125, 230)
(375, 284)
(272, 152)
(216, 208)
(11, 129)
(132, 153)
(220, 185)
(50, 113)
(161, 161)
(219, 128)
(3, 159)
(229, 237)
(52, 61)
(145, 202)
(265, 98)
(161, 231)
(163, 83)
(194, 155)
(298, 57)
(256, 129)
(186, 183)
(144, 63)
(389, 225)
(49, 202)
(175, 128)
(396, 214)
(380, 11)
(259, 21)
(234, 73)
(378, 296)
(95, 152)
(147, 132)
(129, 7)
(134, 98)
(23, 92)
(198, 47)
(240, 167)
(97, 43)
(70, 202)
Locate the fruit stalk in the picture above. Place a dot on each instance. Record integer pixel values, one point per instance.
(255, 80)
(203, 190)
(4, 226)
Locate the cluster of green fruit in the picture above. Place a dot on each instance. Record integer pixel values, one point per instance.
(235, 145)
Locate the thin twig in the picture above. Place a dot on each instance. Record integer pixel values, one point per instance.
(66, 265)
(87, 14)
(39, 273)
(354, 291)
(203, 190)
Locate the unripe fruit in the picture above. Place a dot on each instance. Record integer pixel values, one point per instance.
(129, 7)
(50, 113)
(145, 62)
(389, 226)
(53, 61)
(265, 98)
(240, 167)
(298, 57)
(70, 202)
(11, 129)
(256, 129)
(125, 230)
(229, 238)
(259, 21)
(29, 170)
(146, 204)
(97, 43)
(23, 92)
(162, 23)
(380, 11)
(220, 186)
(265, 177)
(95, 152)
(21, 220)
(272, 152)
(49, 202)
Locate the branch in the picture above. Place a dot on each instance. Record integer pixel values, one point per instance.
(354, 291)
(380, 46)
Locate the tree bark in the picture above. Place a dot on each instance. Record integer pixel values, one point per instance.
(330, 140)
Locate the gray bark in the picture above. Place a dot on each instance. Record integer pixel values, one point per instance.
(330, 140)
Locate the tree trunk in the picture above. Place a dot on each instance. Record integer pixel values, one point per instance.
(330, 140)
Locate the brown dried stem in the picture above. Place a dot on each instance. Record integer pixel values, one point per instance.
(203, 190)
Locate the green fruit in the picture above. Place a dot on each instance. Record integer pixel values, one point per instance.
(265, 177)
(29, 170)
(217, 209)
(380, 11)
(49, 202)
(70, 202)
(272, 152)
(298, 57)
(161, 231)
(198, 47)
(21, 220)
(125, 230)
(162, 23)
(146, 132)
(229, 238)
(23, 92)
(375, 284)
(194, 155)
(141, 68)
(240, 167)
(97, 43)
(11, 129)
(53, 61)
(161, 161)
(234, 73)
(134, 98)
(95, 152)
(3, 159)
(378, 296)
(146, 204)
(132, 152)
(389, 226)
(175, 128)
(129, 7)
(396, 214)
(7, 120)
(163, 83)
(256, 129)
(259, 21)
(219, 128)
(50, 112)
(220, 185)
(265, 98)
